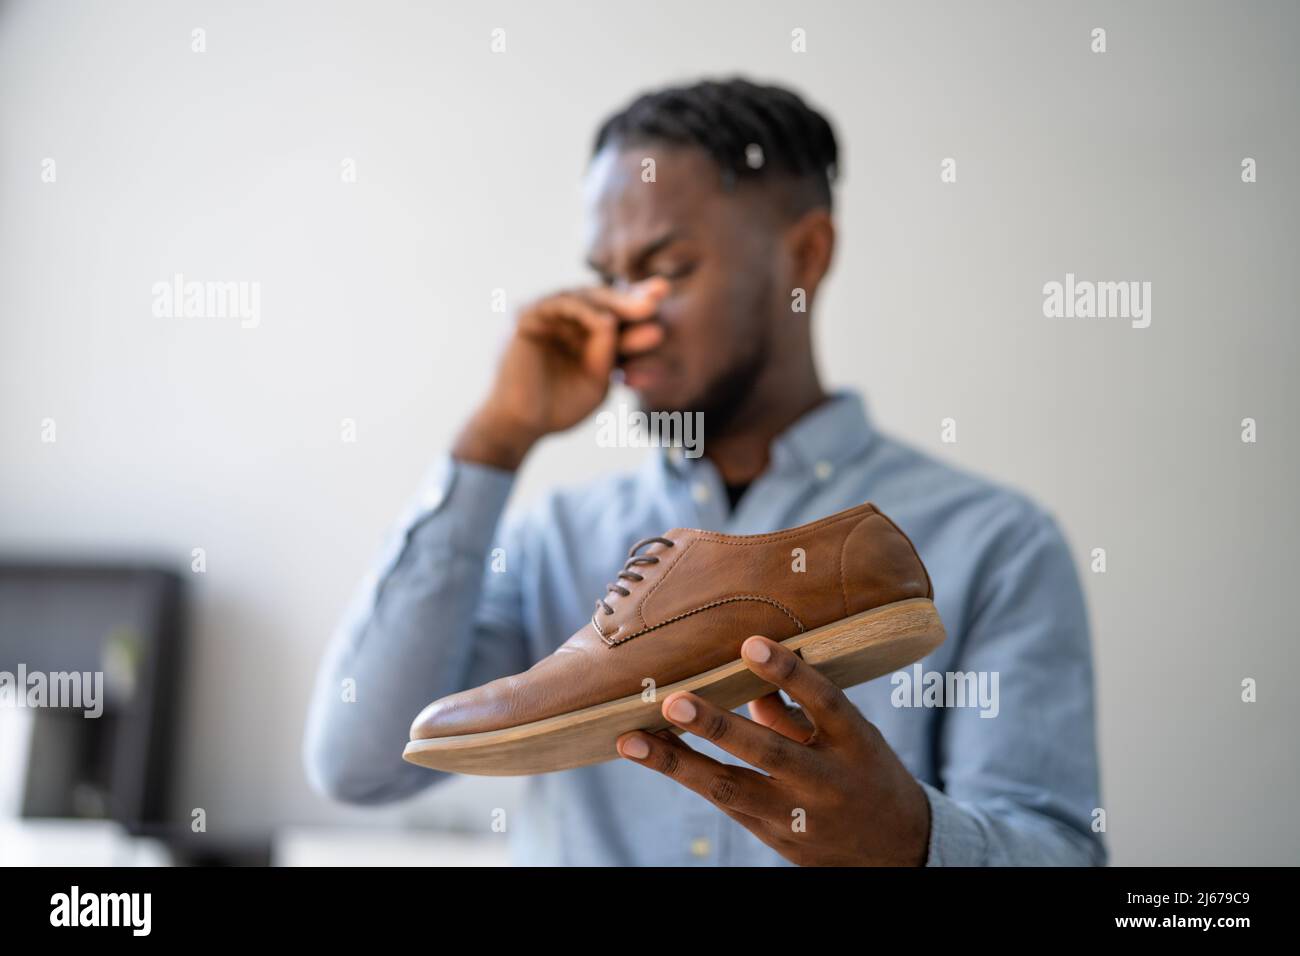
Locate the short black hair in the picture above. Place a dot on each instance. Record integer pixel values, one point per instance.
(728, 119)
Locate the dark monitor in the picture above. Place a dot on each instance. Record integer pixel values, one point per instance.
(105, 642)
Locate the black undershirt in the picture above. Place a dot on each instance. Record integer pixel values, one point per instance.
(734, 492)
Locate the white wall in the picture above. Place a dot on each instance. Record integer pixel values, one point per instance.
(183, 433)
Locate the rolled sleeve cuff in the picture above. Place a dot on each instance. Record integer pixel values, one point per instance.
(956, 837)
(467, 498)
(474, 495)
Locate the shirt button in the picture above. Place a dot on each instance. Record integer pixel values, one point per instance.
(700, 492)
(701, 846)
(823, 470)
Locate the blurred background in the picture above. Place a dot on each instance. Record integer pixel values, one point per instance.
(181, 506)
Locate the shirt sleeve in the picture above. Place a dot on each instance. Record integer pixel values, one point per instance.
(1019, 781)
(431, 619)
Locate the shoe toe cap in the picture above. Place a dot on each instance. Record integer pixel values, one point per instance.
(465, 712)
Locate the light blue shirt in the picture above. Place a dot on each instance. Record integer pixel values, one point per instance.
(1019, 786)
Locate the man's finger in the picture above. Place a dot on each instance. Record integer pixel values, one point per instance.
(729, 787)
(761, 747)
(771, 710)
(555, 313)
(600, 350)
(823, 703)
(639, 302)
(635, 339)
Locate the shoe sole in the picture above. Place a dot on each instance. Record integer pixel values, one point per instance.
(850, 651)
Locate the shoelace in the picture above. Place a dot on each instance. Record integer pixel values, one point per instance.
(633, 559)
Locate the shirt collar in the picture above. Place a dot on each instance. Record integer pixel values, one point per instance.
(836, 431)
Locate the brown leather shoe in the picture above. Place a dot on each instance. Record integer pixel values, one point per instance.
(848, 593)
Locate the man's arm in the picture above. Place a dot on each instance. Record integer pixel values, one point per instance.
(1020, 788)
(432, 620)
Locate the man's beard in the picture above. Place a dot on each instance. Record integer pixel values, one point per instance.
(724, 398)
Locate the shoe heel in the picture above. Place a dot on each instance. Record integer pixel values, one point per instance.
(868, 645)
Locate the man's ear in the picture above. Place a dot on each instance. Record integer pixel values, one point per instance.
(811, 241)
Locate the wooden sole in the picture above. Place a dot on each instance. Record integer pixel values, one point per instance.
(849, 651)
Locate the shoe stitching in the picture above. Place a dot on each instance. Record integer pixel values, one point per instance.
(640, 607)
(744, 540)
(704, 607)
(844, 546)
(739, 540)
(655, 558)
(844, 584)
(752, 539)
(929, 584)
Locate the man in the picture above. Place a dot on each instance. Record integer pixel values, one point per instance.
(710, 214)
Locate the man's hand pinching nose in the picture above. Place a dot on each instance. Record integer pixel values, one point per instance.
(633, 309)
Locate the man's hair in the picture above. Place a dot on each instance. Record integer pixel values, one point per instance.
(728, 118)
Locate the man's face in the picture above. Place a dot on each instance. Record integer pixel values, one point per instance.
(721, 253)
